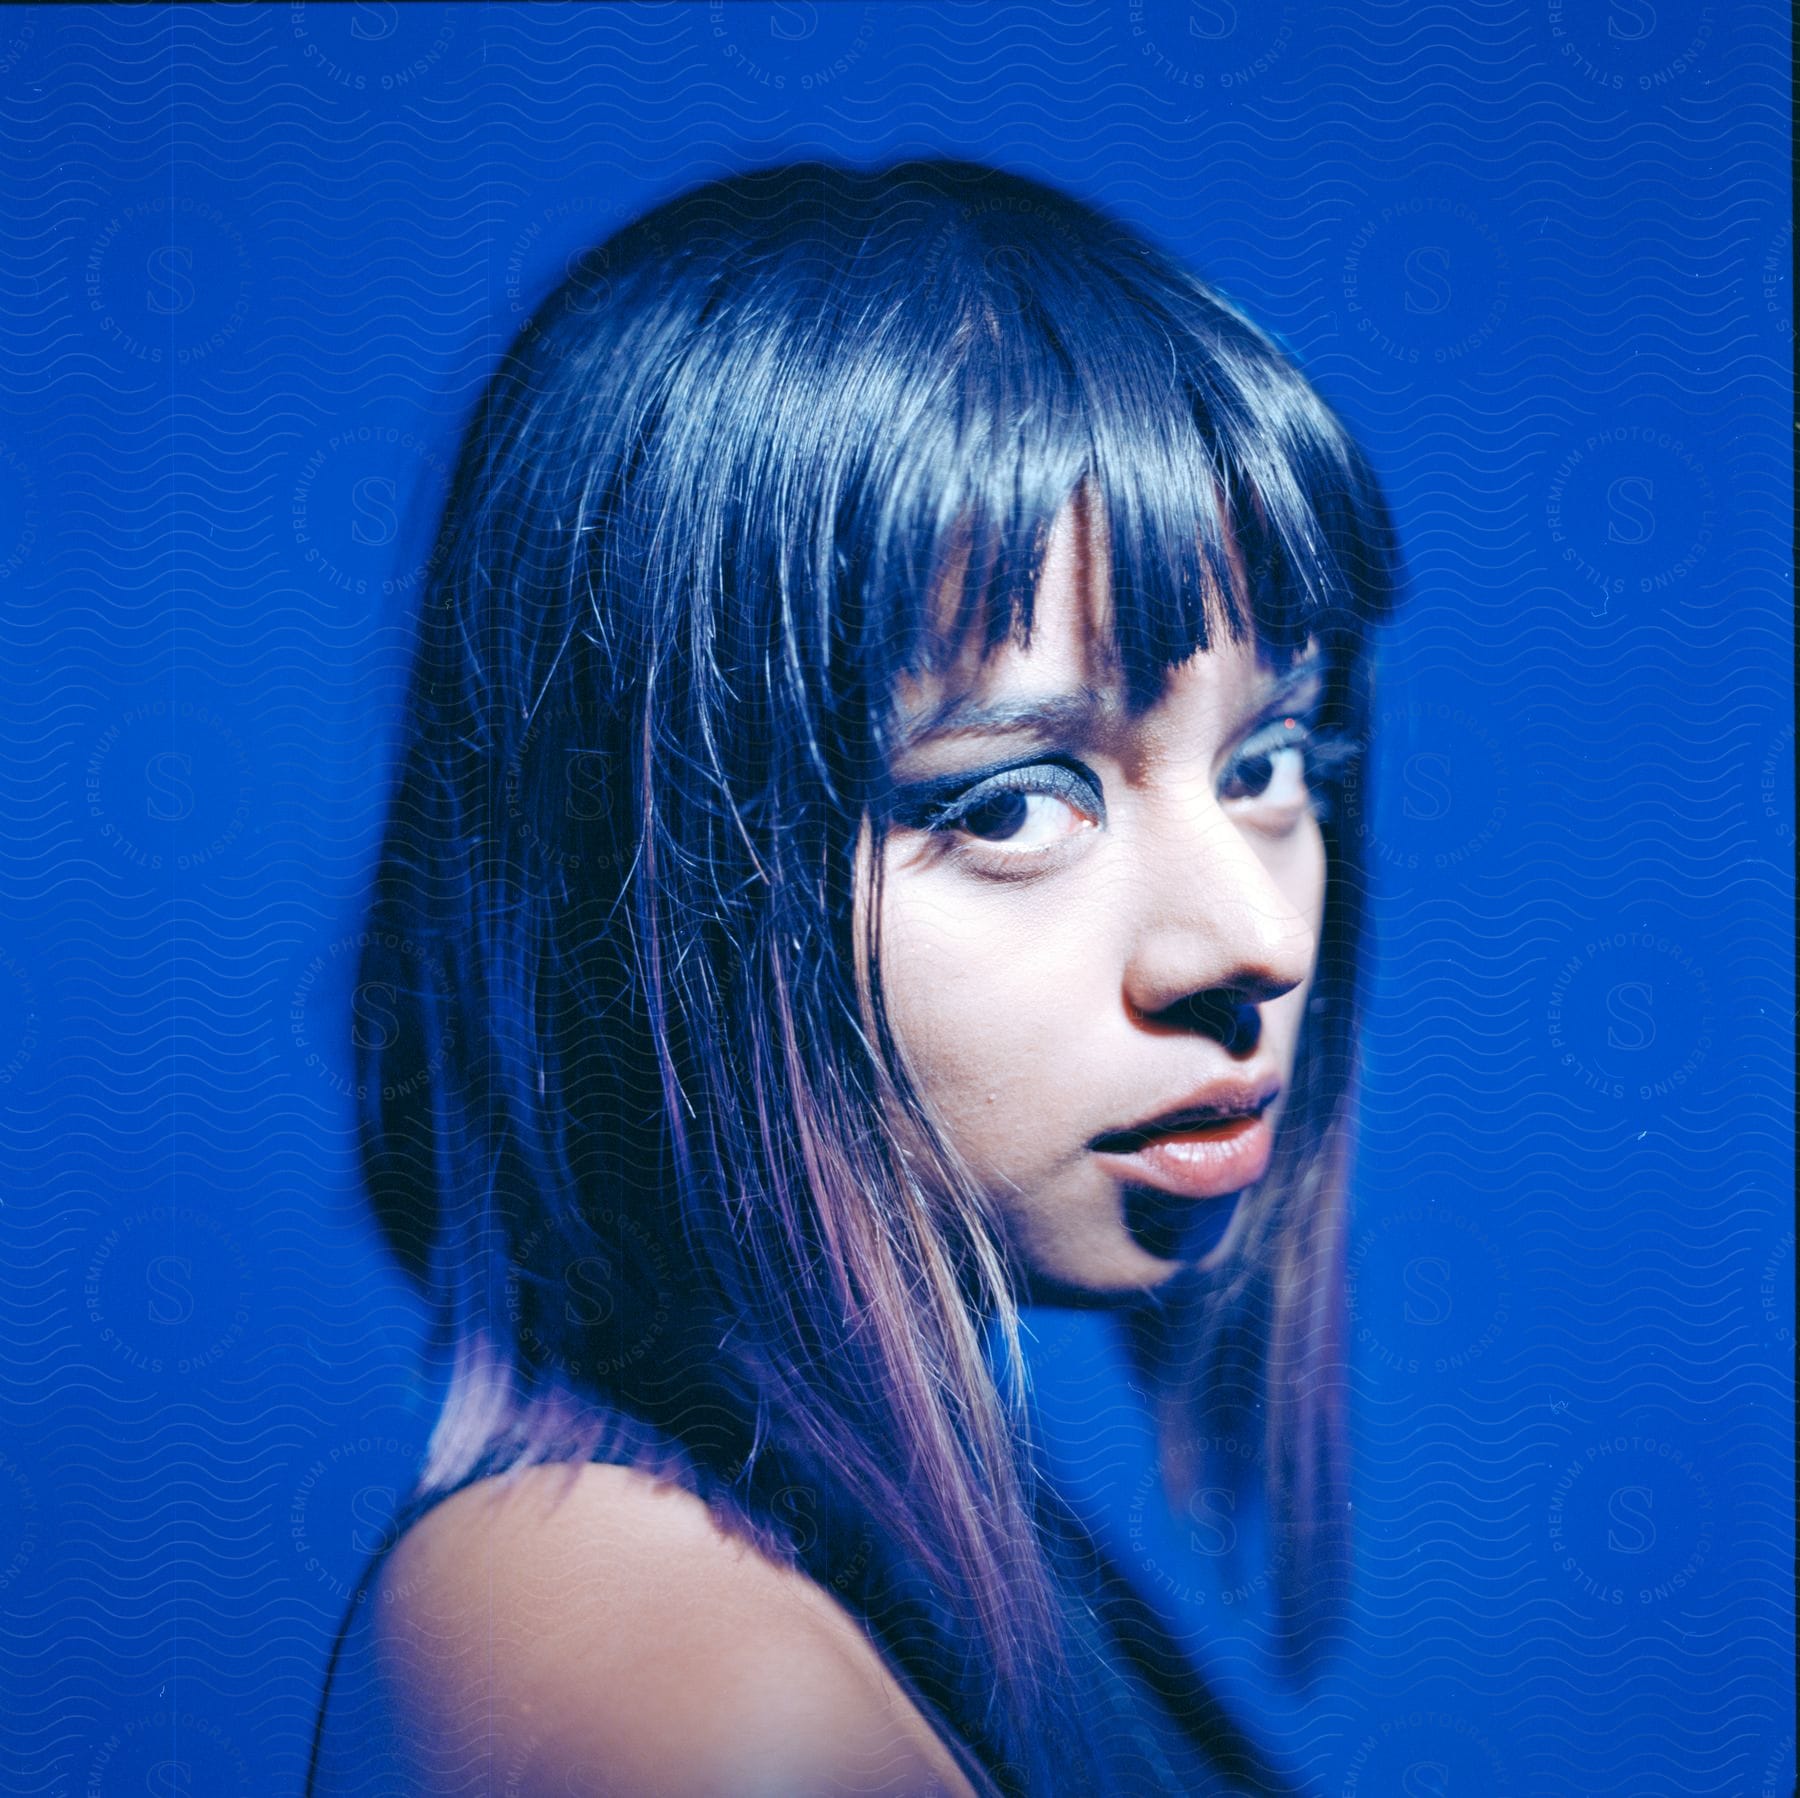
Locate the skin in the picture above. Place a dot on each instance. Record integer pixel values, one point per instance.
(1073, 978)
(590, 1630)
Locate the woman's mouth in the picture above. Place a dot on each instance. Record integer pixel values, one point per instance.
(1205, 1162)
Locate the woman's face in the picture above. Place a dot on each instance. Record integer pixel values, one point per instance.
(1097, 930)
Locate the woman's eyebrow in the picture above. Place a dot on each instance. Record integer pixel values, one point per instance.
(1083, 714)
(1079, 713)
(1289, 682)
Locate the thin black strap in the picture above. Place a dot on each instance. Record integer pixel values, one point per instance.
(1141, 1636)
(337, 1650)
(403, 1519)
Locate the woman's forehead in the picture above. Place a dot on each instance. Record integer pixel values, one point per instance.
(1071, 645)
(1071, 621)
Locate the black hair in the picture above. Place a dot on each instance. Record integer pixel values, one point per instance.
(634, 1135)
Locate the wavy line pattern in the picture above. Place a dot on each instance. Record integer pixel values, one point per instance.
(1537, 252)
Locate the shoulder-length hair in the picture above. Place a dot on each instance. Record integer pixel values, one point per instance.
(668, 1188)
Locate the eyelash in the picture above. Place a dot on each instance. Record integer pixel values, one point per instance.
(1328, 754)
(940, 806)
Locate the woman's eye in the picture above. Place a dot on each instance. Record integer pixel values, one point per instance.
(1285, 765)
(1274, 768)
(1019, 809)
(1025, 820)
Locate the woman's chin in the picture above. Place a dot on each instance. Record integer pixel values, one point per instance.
(1113, 1279)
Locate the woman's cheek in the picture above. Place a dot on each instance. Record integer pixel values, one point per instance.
(982, 995)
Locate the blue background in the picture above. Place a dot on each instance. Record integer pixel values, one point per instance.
(258, 262)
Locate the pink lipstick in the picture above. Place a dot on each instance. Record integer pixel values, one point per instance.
(1215, 1141)
(1203, 1163)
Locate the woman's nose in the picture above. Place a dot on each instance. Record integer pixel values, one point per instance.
(1215, 932)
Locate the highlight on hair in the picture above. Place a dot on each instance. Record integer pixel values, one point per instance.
(648, 1147)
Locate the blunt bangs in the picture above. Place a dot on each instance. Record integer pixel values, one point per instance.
(898, 381)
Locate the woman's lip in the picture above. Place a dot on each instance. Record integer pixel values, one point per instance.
(1206, 1163)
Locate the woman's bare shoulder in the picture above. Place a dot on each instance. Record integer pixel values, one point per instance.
(596, 1629)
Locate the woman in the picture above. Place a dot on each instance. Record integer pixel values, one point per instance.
(872, 848)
